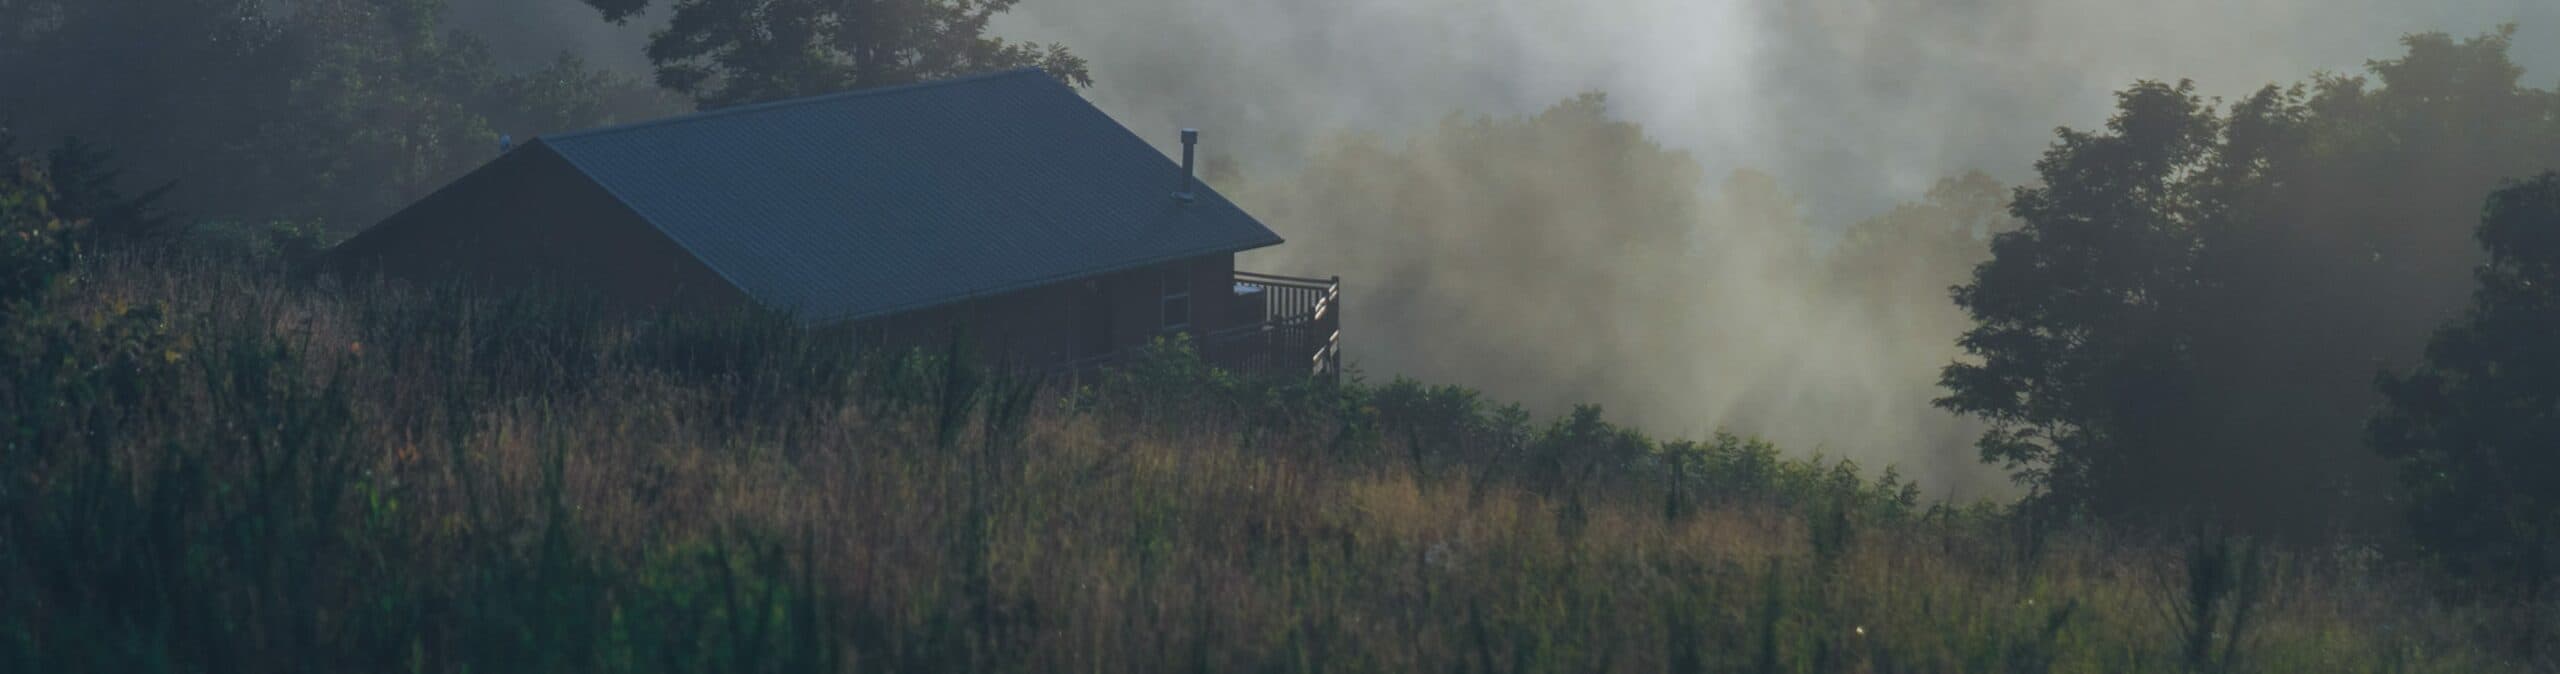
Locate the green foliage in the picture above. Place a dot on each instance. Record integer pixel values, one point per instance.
(1167, 385)
(2189, 314)
(330, 111)
(2225, 586)
(436, 479)
(88, 182)
(36, 246)
(733, 52)
(1446, 429)
(212, 533)
(265, 475)
(286, 243)
(2475, 428)
(728, 605)
(197, 490)
(2074, 390)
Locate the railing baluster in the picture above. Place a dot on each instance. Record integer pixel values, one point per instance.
(1299, 316)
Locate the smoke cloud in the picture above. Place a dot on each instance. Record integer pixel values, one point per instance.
(1784, 122)
(1859, 104)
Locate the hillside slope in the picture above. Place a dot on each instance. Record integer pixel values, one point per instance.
(214, 469)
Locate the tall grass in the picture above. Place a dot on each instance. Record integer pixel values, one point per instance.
(212, 469)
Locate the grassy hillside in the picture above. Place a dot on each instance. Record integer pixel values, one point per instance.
(212, 469)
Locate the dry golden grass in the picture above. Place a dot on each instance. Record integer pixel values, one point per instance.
(518, 505)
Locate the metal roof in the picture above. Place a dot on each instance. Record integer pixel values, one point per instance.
(883, 200)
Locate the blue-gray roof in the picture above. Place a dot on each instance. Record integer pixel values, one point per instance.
(877, 201)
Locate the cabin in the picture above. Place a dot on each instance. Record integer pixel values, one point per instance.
(1002, 206)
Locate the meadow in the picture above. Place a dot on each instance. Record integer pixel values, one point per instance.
(220, 466)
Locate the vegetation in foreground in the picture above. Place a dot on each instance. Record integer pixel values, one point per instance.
(211, 468)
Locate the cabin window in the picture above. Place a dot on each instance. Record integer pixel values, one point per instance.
(1177, 296)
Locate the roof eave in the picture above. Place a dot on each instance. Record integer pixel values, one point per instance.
(1035, 283)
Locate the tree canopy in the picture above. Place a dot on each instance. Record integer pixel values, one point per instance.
(731, 52)
(2475, 427)
(2190, 315)
(308, 110)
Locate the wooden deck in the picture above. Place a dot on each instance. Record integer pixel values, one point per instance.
(1298, 331)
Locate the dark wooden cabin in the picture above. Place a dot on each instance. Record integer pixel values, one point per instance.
(1004, 203)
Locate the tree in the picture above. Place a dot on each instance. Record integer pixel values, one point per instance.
(2190, 318)
(2475, 427)
(36, 245)
(384, 106)
(1898, 266)
(88, 190)
(2076, 315)
(732, 52)
(2337, 237)
(306, 110)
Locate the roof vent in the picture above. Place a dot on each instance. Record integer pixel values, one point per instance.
(1190, 142)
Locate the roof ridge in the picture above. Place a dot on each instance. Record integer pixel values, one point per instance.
(791, 102)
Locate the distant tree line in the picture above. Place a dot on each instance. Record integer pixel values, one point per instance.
(312, 111)
(334, 113)
(729, 52)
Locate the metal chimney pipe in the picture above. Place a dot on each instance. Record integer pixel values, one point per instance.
(1190, 143)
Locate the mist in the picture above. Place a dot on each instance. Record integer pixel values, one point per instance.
(1780, 124)
(1832, 111)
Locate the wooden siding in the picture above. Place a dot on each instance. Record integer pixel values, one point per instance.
(528, 218)
(1066, 321)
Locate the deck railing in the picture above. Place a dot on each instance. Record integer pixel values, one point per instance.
(1300, 327)
(1288, 298)
(1285, 325)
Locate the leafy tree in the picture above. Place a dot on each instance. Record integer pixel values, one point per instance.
(88, 188)
(2332, 247)
(385, 106)
(2190, 317)
(1898, 266)
(36, 245)
(2475, 427)
(731, 52)
(170, 84)
(2077, 313)
(306, 110)
(79, 184)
